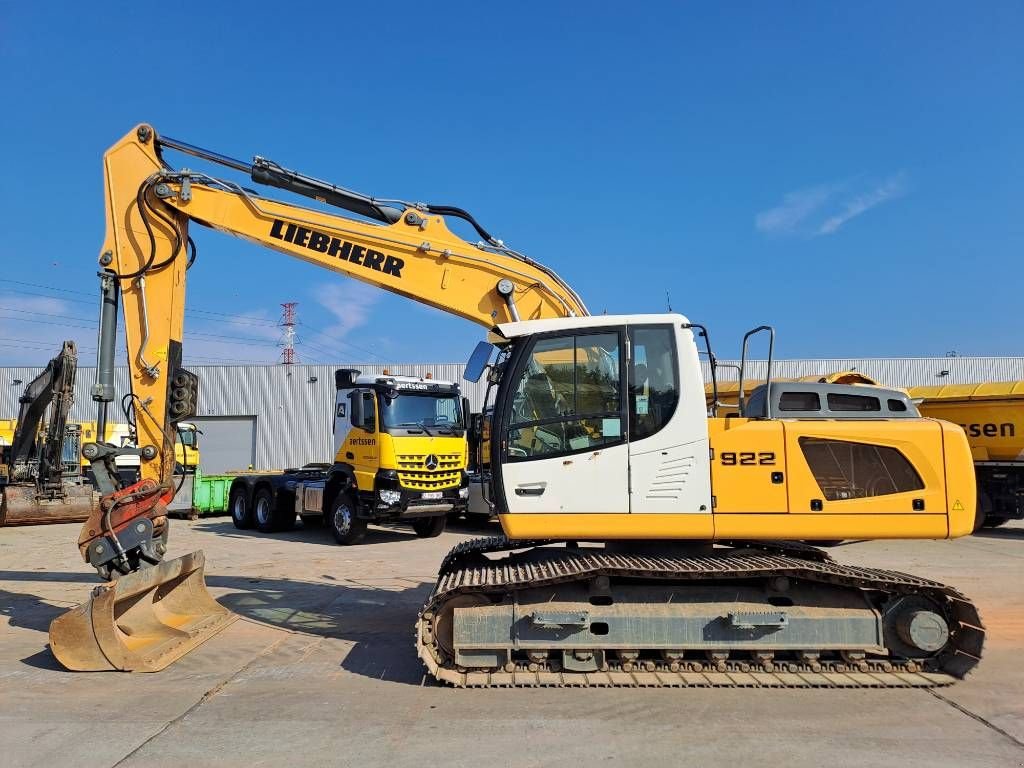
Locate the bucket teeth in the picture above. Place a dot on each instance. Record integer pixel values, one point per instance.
(141, 622)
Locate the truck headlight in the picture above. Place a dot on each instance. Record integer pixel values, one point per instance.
(464, 493)
(389, 496)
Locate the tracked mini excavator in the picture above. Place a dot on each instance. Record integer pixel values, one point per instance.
(38, 488)
(645, 543)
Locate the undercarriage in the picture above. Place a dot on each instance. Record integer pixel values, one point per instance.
(774, 614)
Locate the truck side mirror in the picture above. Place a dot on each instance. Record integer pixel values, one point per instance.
(465, 414)
(363, 415)
(356, 408)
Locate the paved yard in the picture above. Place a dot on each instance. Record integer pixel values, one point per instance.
(321, 671)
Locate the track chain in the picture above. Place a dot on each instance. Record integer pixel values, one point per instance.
(464, 573)
(466, 551)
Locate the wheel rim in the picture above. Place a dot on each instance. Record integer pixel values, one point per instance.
(263, 510)
(342, 519)
(239, 508)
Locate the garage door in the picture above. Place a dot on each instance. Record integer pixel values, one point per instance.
(226, 443)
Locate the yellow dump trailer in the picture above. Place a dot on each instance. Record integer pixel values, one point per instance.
(992, 415)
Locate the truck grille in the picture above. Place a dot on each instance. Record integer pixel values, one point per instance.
(414, 475)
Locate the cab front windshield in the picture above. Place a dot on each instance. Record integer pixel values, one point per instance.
(429, 412)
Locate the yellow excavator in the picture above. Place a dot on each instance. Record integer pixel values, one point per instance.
(645, 543)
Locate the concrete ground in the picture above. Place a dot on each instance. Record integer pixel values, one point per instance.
(321, 671)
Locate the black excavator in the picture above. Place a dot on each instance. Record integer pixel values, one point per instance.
(39, 488)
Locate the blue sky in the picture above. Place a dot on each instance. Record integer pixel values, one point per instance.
(852, 173)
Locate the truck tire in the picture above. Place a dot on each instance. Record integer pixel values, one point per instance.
(241, 511)
(284, 516)
(343, 522)
(263, 511)
(429, 527)
(982, 512)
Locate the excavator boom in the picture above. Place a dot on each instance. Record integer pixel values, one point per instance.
(407, 249)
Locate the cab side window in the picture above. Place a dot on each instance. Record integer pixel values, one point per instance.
(369, 412)
(568, 397)
(653, 380)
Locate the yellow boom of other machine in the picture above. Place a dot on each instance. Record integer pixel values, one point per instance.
(645, 542)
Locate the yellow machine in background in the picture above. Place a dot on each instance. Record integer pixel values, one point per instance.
(42, 480)
(186, 447)
(992, 416)
(663, 536)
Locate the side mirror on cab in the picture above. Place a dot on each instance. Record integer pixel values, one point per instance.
(362, 411)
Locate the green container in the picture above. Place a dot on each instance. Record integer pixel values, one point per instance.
(210, 493)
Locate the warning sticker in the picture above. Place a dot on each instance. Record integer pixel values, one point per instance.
(957, 506)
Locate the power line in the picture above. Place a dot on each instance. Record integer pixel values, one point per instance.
(46, 314)
(40, 285)
(91, 325)
(343, 343)
(235, 319)
(56, 298)
(49, 322)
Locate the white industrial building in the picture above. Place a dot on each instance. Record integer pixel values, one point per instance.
(276, 416)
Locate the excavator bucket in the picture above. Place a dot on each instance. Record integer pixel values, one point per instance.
(141, 622)
(23, 505)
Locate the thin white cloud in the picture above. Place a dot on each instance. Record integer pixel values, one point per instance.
(824, 209)
(350, 302)
(351, 305)
(795, 209)
(891, 188)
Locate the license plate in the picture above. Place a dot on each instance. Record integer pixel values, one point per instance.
(431, 495)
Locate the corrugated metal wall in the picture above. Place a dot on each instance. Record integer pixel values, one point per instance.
(894, 371)
(293, 413)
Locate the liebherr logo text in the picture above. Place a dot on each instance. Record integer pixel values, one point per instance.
(334, 246)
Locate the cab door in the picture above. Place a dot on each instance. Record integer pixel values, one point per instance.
(361, 447)
(668, 435)
(564, 443)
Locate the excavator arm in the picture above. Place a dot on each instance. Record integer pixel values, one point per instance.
(51, 394)
(409, 251)
(406, 248)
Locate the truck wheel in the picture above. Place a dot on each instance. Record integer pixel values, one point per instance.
(984, 509)
(346, 527)
(429, 527)
(263, 511)
(241, 512)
